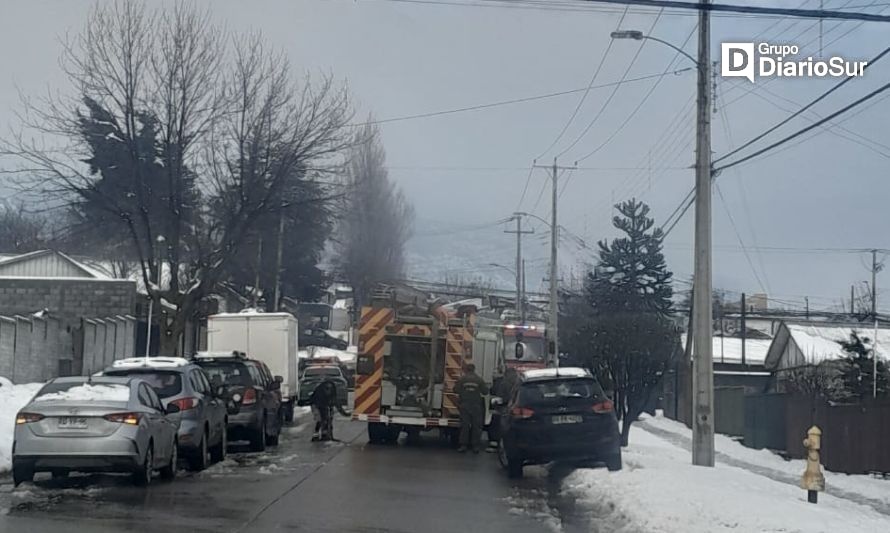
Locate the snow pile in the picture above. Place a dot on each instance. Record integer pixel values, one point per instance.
(12, 398)
(660, 491)
(89, 393)
(764, 461)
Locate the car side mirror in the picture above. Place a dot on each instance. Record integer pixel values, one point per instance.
(172, 408)
(279, 379)
(497, 401)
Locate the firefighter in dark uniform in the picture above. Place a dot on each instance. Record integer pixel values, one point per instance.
(471, 389)
(323, 401)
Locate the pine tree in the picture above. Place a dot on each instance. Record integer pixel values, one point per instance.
(628, 338)
(857, 370)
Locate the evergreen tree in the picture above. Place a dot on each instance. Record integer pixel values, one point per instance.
(627, 337)
(857, 370)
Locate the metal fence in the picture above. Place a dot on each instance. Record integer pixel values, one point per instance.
(729, 410)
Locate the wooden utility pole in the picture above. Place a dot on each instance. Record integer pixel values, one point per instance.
(744, 327)
(519, 233)
(553, 327)
(703, 365)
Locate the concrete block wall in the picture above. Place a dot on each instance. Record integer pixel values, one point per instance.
(68, 299)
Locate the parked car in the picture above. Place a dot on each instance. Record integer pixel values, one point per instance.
(320, 337)
(558, 414)
(316, 374)
(104, 424)
(202, 434)
(328, 360)
(255, 408)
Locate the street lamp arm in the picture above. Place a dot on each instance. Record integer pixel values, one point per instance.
(677, 48)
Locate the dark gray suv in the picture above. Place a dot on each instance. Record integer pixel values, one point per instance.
(202, 432)
(253, 394)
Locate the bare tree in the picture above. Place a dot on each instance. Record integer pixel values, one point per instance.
(21, 231)
(376, 222)
(189, 135)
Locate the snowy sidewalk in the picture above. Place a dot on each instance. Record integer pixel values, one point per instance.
(857, 488)
(660, 491)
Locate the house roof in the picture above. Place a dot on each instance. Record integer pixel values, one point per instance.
(729, 349)
(47, 264)
(822, 343)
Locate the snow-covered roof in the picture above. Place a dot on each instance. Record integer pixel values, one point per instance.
(729, 349)
(823, 343)
(48, 264)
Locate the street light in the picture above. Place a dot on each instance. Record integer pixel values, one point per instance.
(702, 363)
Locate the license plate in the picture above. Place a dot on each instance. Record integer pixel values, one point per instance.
(72, 422)
(567, 419)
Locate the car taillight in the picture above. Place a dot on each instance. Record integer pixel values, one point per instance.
(522, 412)
(124, 418)
(249, 396)
(27, 418)
(604, 406)
(185, 404)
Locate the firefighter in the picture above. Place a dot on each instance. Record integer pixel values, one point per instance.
(503, 390)
(471, 390)
(323, 401)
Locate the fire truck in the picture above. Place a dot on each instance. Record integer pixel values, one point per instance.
(525, 345)
(411, 353)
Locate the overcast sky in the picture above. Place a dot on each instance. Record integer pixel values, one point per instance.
(466, 170)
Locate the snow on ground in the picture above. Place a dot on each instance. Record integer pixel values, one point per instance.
(764, 461)
(660, 491)
(12, 398)
(89, 393)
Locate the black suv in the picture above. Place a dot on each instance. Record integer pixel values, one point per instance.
(253, 396)
(558, 414)
(320, 337)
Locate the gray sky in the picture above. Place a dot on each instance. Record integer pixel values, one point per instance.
(465, 170)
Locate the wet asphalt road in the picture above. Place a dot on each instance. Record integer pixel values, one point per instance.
(304, 486)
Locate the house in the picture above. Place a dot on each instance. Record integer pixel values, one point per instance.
(60, 316)
(805, 344)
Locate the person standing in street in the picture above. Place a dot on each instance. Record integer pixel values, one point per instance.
(471, 389)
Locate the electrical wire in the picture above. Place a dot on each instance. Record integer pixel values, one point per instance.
(614, 89)
(739, 238)
(589, 86)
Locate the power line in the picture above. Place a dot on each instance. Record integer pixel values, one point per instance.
(735, 8)
(512, 101)
(614, 89)
(806, 129)
(589, 86)
(801, 110)
(642, 101)
(739, 237)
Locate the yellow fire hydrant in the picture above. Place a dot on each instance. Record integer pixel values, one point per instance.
(813, 481)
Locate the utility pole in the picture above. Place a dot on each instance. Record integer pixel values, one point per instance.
(744, 327)
(806, 300)
(278, 254)
(874, 314)
(523, 290)
(852, 300)
(519, 233)
(703, 367)
(553, 328)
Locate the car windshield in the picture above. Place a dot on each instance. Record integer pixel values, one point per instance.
(322, 372)
(165, 384)
(559, 390)
(83, 392)
(229, 373)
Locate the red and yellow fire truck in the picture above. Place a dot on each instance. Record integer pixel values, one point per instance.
(411, 353)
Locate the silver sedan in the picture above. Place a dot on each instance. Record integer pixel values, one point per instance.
(99, 424)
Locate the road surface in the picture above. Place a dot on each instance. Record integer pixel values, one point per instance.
(304, 486)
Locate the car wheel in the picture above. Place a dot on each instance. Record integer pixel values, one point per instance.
(22, 473)
(258, 439)
(218, 452)
(142, 475)
(169, 471)
(198, 461)
(510, 462)
(376, 433)
(392, 434)
(613, 462)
